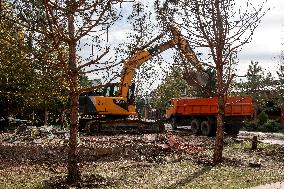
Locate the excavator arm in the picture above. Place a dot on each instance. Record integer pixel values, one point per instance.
(135, 61)
(139, 57)
(184, 47)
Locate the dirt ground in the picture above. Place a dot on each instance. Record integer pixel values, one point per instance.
(46, 149)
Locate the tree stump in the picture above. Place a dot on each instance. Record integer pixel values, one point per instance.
(254, 143)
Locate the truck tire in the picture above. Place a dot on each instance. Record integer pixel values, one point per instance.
(207, 129)
(233, 125)
(231, 129)
(174, 123)
(195, 126)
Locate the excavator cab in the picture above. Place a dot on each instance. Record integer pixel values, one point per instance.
(93, 103)
(112, 90)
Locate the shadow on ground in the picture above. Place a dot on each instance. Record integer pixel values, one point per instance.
(190, 178)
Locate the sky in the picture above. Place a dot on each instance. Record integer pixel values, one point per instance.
(265, 47)
(267, 41)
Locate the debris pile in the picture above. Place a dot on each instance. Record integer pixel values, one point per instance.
(51, 144)
(181, 145)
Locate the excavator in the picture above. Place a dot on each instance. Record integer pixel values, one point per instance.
(111, 110)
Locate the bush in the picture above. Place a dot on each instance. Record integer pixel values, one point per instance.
(270, 126)
(262, 118)
(251, 125)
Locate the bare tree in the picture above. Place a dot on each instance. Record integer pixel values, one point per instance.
(223, 27)
(73, 28)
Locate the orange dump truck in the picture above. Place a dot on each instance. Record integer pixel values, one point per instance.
(200, 114)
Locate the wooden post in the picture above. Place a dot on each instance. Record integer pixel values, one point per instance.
(254, 143)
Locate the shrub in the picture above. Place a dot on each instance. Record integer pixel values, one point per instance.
(262, 118)
(270, 126)
(250, 125)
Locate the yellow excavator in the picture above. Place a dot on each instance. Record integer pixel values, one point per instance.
(112, 109)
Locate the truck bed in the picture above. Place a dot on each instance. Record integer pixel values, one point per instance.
(235, 106)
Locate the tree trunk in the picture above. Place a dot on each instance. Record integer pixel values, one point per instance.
(74, 174)
(219, 143)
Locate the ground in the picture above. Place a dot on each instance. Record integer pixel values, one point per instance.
(37, 159)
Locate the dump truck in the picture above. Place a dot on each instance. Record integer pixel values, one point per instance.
(200, 114)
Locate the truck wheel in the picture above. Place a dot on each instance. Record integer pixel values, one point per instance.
(174, 123)
(195, 126)
(207, 129)
(231, 129)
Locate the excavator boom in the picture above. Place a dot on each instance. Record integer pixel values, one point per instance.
(137, 59)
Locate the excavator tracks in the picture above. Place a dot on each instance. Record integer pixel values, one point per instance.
(123, 126)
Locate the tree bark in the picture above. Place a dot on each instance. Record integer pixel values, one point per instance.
(219, 142)
(74, 174)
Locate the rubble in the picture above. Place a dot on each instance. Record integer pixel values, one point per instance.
(43, 143)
